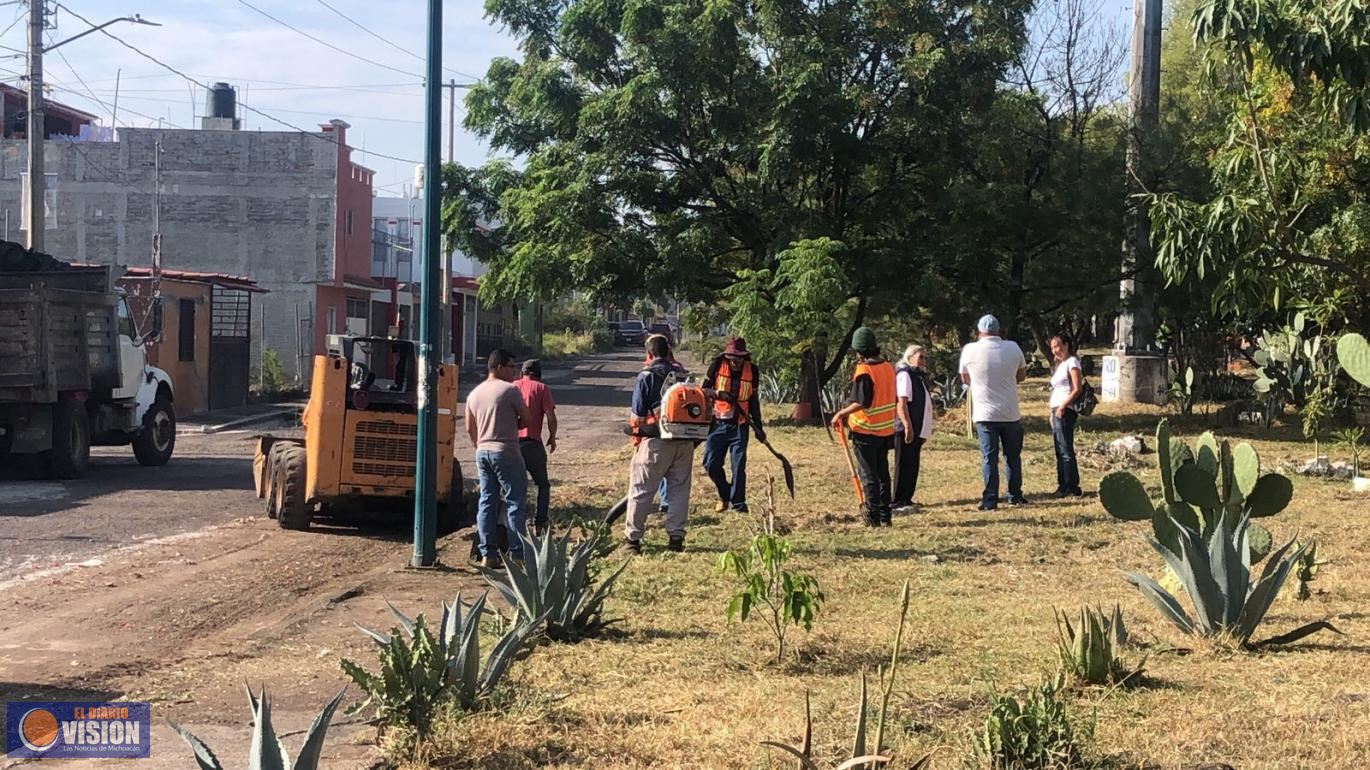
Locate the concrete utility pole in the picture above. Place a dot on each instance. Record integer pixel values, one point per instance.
(34, 220)
(1136, 372)
(452, 122)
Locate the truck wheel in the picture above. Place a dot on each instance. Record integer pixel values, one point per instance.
(157, 440)
(292, 509)
(70, 453)
(272, 471)
(450, 511)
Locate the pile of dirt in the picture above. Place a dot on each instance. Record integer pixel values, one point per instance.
(14, 258)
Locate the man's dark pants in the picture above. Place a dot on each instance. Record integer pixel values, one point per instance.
(993, 436)
(535, 457)
(873, 471)
(725, 438)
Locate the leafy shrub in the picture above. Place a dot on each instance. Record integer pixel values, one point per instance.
(569, 344)
(788, 598)
(555, 585)
(1216, 575)
(266, 750)
(420, 672)
(271, 377)
(1090, 652)
(575, 316)
(1033, 734)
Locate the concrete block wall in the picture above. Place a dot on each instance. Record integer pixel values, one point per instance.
(257, 204)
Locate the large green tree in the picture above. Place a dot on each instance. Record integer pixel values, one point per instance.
(785, 156)
(1286, 217)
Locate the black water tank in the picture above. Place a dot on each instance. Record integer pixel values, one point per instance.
(222, 101)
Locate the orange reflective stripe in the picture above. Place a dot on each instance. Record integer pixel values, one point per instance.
(878, 419)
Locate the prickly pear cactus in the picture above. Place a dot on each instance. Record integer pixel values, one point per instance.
(1197, 487)
(1353, 353)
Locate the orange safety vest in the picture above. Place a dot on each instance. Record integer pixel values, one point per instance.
(723, 383)
(878, 420)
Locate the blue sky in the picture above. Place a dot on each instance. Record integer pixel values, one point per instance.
(278, 70)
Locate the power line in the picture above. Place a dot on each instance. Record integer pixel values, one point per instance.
(241, 103)
(325, 43)
(388, 42)
(122, 108)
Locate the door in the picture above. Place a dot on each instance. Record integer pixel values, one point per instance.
(131, 361)
(230, 355)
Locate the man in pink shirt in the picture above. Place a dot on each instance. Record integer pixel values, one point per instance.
(538, 398)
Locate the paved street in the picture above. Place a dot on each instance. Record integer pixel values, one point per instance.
(48, 525)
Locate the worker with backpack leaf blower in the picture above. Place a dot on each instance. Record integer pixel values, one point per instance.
(669, 417)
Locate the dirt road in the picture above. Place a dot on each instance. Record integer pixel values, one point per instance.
(167, 585)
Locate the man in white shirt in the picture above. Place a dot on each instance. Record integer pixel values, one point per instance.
(993, 367)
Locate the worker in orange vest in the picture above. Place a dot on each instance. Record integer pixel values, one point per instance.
(869, 418)
(731, 382)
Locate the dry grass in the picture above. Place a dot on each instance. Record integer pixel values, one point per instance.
(679, 688)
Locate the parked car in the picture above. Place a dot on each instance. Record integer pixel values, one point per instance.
(664, 329)
(630, 332)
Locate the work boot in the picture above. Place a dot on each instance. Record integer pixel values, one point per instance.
(740, 507)
(676, 543)
(491, 562)
(632, 547)
(872, 521)
(720, 506)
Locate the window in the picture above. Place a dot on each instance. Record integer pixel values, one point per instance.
(185, 330)
(332, 319)
(125, 319)
(348, 220)
(356, 308)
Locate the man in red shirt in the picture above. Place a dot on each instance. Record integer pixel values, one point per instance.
(538, 398)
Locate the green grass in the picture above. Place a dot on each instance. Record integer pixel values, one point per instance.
(678, 687)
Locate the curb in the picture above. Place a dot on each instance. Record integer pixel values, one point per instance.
(240, 422)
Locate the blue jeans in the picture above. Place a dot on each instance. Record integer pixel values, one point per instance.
(502, 476)
(728, 438)
(1063, 436)
(992, 435)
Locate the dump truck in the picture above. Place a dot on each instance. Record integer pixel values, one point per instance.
(360, 443)
(74, 368)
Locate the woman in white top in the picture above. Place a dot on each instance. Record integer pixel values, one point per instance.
(1066, 384)
(912, 425)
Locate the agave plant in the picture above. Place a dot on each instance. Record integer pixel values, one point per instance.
(266, 750)
(419, 672)
(555, 582)
(1216, 574)
(1090, 653)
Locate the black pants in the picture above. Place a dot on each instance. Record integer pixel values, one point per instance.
(535, 457)
(873, 470)
(906, 460)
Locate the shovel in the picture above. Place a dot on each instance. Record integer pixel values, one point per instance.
(784, 465)
(855, 480)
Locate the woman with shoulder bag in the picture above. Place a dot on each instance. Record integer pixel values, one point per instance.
(1067, 385)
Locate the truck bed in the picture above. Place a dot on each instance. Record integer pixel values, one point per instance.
(58, 332)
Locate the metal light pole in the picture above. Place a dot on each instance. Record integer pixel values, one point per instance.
(426, 467)
(35, 219)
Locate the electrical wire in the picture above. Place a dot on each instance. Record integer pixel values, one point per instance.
(327, 44)
(241, 103)
(393, 45)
